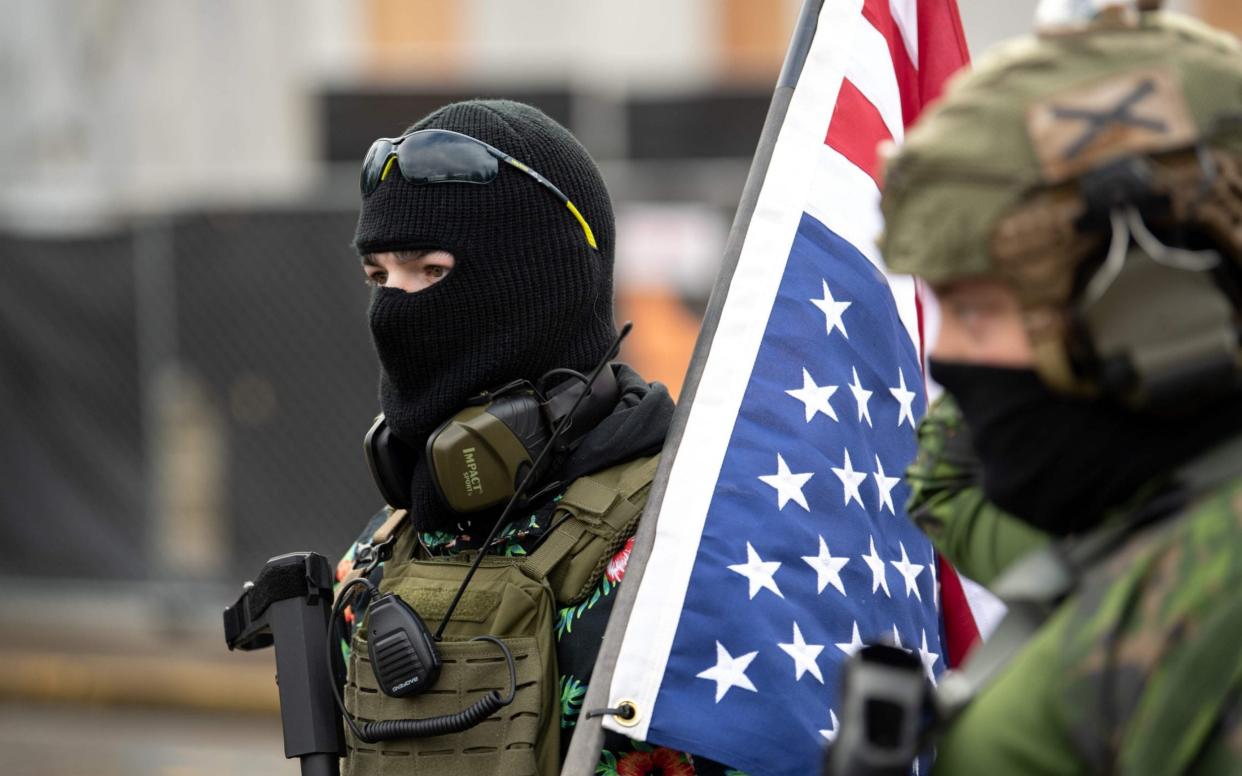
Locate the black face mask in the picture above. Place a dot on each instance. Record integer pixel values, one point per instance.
(464, 335)
(1061, 463)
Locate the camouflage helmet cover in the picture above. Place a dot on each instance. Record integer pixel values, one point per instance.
(972, 159)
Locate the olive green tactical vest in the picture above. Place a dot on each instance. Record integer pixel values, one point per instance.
(515, 599)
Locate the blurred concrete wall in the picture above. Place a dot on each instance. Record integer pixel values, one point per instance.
(136, 105)
(114, 106)
(989, 21)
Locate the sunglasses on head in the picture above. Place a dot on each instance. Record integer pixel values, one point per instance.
(443, 156)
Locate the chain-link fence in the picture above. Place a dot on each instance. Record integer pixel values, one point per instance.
(183, 397)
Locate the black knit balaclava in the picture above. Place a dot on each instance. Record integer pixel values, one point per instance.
(527, 293)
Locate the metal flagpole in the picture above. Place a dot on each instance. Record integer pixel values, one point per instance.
(588, 737)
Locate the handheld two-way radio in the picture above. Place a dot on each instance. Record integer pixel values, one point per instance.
(501, 445)
(406, 663)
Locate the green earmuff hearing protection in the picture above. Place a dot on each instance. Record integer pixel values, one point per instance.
(478, 457)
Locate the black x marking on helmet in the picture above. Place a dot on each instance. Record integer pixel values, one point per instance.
(1098, 121)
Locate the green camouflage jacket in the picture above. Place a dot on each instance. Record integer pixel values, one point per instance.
(979, 539)
(1138, 672)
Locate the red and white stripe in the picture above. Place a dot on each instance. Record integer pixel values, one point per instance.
(885, 87)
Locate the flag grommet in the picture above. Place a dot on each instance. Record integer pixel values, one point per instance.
(626, 713)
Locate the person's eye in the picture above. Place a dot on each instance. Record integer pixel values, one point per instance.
(436, 271)
(967, 316)
(376, 278)
(967, 308)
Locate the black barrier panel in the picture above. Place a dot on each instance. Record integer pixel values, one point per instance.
(716, 125)
(71, 488)
(351, 118)
(272, 318)
(200, 383)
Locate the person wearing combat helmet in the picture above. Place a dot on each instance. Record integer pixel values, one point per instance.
(1076, 205)
(514, 456)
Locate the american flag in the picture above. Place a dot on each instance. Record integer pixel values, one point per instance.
(782, 545)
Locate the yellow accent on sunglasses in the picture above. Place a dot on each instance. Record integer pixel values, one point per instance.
(388, 166)
(590, 236)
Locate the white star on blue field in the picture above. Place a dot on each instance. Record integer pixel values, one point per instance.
(806, 553)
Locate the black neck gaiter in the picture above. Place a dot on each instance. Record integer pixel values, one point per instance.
(445, 344)
(1061, 463)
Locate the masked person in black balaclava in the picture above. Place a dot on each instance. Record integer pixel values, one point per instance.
(488, 233)
(526, 293)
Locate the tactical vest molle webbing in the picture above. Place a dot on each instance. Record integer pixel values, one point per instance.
(515, 599)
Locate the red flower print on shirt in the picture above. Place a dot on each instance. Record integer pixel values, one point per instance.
(657, 762)
(616, 566)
